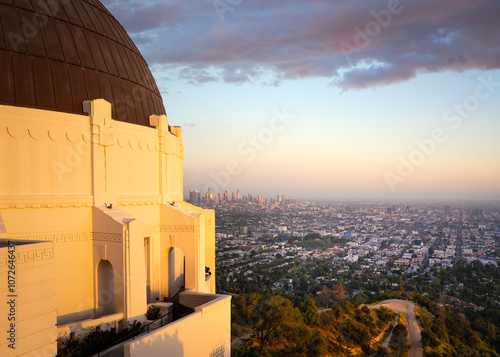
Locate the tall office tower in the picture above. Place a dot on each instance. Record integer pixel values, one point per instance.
(193, 198)
(209, 196)
(245, 199)
(249, 197)
(447, 208)
(238, 196)
(283, 199)
(233, 197)
(99, 225)
(266, 201)
(260, 200)
(278, 199)
(388, 210)
(226, 196)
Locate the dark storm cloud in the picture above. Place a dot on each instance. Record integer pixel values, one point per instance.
(355, 44)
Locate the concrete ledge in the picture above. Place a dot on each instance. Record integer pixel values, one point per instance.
(81, 327)
(202, 333)
(193, 299)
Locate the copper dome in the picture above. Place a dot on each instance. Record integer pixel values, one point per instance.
(56, 54)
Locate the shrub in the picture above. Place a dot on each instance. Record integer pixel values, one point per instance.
(153, 313)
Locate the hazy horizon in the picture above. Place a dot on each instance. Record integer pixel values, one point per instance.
(360, 197)
(382, 100)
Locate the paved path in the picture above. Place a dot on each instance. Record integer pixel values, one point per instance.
(408, 309)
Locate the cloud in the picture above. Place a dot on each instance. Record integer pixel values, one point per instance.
(354, 44)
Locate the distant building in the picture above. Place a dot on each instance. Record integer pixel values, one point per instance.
(194, 196)
(447, 208)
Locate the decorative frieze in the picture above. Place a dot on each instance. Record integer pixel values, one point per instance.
(55, 237)
(54, 201)
(177, 228)
(107, 237)
(70, 237)
(169, 228)
(29, 256)
(35, 255)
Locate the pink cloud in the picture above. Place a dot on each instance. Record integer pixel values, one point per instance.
(354, 44)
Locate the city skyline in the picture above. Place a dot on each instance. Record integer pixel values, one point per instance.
(360, 101)
(210, 197)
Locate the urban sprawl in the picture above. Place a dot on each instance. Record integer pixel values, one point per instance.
(292, 247)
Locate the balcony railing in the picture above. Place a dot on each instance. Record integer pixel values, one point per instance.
(209, 326)
(174, 314)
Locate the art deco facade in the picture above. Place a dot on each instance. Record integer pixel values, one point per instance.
(91, 191)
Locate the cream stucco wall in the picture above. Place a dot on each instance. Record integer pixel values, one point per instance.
(34, 295)
(101, 190)
(206, 332)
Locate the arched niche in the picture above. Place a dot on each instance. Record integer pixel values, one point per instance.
(105, 288)
(174, 276)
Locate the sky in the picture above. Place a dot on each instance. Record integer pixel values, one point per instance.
(329, 100)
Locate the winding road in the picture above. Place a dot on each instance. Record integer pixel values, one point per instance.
(408, 309)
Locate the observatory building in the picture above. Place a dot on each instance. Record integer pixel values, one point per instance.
(93, 226)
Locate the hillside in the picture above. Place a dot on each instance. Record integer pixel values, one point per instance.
(270, 325)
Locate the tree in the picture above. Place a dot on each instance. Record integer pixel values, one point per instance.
(305, 342)
(492, 331)
(340, 293)
(303, 284)
(310, 313)
(385, 314)
(399, 341)
(266, 321)
(325, 296)
(361, 298)
(310, 236)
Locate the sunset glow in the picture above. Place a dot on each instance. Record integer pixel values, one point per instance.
(364, 85)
